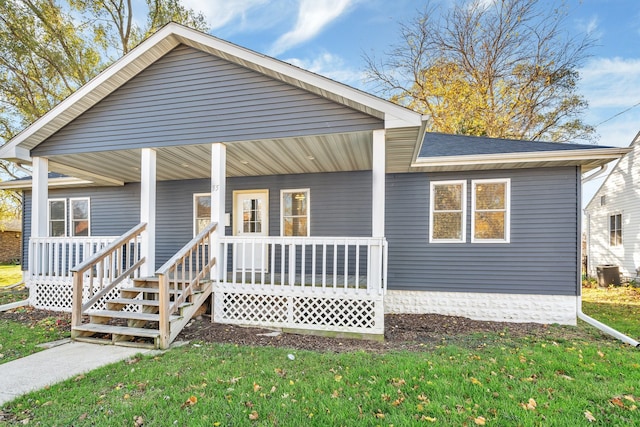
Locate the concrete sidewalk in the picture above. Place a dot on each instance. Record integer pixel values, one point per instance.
(57, 364)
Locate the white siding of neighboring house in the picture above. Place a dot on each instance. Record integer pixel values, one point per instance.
(621, 191)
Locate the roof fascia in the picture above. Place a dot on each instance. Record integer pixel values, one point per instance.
(164, 34)
(527, 157)
(61, 182)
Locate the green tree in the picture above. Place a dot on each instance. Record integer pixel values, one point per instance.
(500, 68)
(49, 48)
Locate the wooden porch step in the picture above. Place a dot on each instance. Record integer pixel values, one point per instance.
(118, 330)
(128, 315)
(135, 301)
(139, 289)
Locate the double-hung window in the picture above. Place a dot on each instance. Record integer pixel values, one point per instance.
(490, 206)
(57, 217)
(294, 212)
(79, 213)
(615, 230)
(447, 213)
(201, 212)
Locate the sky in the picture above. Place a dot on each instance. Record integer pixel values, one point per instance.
(330, 37)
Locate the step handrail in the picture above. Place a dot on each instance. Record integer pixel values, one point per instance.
(179, 274)
(121, 265)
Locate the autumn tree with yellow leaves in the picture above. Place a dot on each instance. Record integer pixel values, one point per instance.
(497, 68)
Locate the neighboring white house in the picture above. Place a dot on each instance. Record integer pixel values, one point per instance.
(612, 217)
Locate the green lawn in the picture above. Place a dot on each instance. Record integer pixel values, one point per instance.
(571, 376)
(21, 339)
(618, 307)
(10, 274)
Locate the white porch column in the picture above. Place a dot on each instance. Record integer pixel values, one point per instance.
(377, 208)
(218, 185)
(40, 194)
(218, 200)
(148, 210)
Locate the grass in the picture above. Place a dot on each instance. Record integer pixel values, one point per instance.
(570, 376)
(18, 339)
(618, 307)
(516, 382)
(10, 274)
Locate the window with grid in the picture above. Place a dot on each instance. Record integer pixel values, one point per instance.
(447, 213)
(80, 214)
(615, 230)
(201, 212)
(490, 205)
(295, 212)
(57, 217)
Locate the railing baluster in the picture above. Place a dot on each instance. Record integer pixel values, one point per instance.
(357, 278)
(346, 265)
(324, 266)
(335, 266)
(313, 266)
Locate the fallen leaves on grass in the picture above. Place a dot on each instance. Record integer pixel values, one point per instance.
(480, 421)
(530, 405)
(589, 416)
(254, 415)
(192, 400)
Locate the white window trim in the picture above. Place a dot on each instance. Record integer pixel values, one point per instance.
(195, 210)
(49, 216)
(71, 228)
(615, 247)
(463, 201)
(295, 190)
(507, 216)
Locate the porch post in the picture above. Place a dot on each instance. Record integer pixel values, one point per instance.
(377, 209)
(40, 194)
(218, 199)
(377, 213)
(148, 211)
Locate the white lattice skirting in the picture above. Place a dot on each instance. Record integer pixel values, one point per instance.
(352, 313)
(57, 295)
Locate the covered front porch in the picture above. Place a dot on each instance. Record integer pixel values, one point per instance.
(302, 282)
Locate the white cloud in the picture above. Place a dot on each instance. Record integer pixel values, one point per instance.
(313, 16)
(221, 12)
(611, 82)
(331, 66)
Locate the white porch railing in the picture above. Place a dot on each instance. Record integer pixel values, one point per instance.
(319, 283)
(51, 258)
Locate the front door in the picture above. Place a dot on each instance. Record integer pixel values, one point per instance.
(251, 219)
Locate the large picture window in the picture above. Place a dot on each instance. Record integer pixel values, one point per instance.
(294, 212)
(80, 214)
(615, 230)
(201, 212)
(57, 217)
(490, 204)
(447, 213)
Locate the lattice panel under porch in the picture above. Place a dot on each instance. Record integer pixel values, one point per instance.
(338, 314)
(57, 296)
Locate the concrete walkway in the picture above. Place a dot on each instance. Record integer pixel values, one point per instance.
(57, 364)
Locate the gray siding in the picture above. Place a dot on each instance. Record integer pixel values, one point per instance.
(340, 206)
(191, 97)
(542, 255)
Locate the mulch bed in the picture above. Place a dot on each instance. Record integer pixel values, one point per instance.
(402, 332)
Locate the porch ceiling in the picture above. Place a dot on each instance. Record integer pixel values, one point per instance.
(309, 154)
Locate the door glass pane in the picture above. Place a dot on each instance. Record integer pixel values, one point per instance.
(252, 216)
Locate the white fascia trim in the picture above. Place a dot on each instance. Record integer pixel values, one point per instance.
(53, 183)
(395, 115)
(14, 153)
(526, 157)
(87, 89)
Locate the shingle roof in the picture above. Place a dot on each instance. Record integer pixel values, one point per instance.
(440, 145)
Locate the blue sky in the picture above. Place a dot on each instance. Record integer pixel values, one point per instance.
(330, 37)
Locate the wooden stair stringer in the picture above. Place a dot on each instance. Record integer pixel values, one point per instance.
(188, 311)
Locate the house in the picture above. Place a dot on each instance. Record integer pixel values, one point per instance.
(10, 241)
(309, 204)
(612, 228)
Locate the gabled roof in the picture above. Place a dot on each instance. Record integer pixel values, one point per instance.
(165, 40)
(440, 152)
